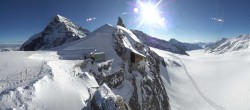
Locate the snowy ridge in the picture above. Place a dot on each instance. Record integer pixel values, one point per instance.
(229, 45)
(60, 31)
(158, 43)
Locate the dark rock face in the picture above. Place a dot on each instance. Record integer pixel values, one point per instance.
(120, 22)
(158, 43)
(60, 31)
(105, 99)
(148, 92)
(34, 44)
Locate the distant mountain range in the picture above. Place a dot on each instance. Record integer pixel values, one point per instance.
(59, 31)
(9, 47)
(230, 44)
(185, 46)
(172, 45)
(128, 73)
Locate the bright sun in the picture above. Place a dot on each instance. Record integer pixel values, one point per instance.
(149, 14)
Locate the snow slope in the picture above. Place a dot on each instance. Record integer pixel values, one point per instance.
(40, 80)
(100, 40)
(18, 72)
(222, 78)
(205, 81)
(64, 90)
(16, 68)
(182, 91)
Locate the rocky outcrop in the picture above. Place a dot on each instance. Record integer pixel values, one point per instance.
(105, 99)
(120, 22)
(60, 31)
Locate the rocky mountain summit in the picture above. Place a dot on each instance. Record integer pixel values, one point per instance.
(59, 31)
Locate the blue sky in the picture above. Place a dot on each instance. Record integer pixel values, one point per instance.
(185, 20)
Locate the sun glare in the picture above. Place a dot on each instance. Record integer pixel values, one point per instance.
(149, 14)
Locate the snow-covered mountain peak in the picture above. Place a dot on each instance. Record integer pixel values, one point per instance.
(59, 31)
(229, 45)
(61, 22)
(60, 18)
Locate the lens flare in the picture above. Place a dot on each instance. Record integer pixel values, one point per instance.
(136, 10)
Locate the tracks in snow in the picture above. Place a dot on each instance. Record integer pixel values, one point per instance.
(209, 101)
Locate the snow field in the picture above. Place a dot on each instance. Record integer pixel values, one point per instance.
(54, 86)
(205, 81)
